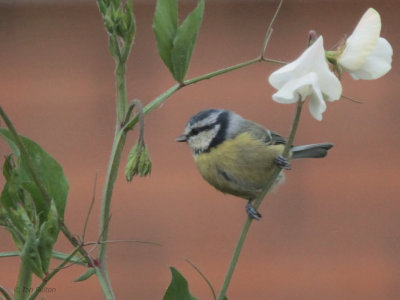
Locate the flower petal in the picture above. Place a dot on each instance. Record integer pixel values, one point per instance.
(362, 41)
(316, 106)
(299, 67)
(297, 89)
(307, 76)
(377, 64)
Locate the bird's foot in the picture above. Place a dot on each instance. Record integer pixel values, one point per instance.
(282, 162)
(252, 212)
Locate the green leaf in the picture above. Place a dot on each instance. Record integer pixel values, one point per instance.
(129, 19)
(165, 26)
(8, 167)
(30, 254)
(102, 6)
(48, 233)
(185, 40)
(175, 44)
(85, 275)
(19, 225)
(49, 171)
(178, 288)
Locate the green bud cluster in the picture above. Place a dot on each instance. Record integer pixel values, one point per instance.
(118, 18)
(139, 162)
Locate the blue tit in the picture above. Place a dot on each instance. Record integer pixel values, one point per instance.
(238, 156)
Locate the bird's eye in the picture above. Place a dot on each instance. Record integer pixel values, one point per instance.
(195, 131)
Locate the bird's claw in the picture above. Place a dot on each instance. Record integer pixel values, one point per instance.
(252, 212)
(282, 162)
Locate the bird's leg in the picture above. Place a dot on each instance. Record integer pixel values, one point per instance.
(252, 212)
(282, 162)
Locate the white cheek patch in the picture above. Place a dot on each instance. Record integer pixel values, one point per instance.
(201, 142)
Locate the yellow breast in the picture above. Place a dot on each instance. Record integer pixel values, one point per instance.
(239, 166)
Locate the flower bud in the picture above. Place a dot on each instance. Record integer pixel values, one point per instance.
(139, 162)
(108, 20)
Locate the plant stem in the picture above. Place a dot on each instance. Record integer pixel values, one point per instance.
(122, 98)
(269, 29)
(4, 293)
(222, 71)
(248, 221)
(112, 172)
(51, 275)
(104, 280)
(24, 282)
(164, 96)
(204, 278)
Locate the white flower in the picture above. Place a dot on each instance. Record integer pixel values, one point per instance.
(307, 76)
(366, 55)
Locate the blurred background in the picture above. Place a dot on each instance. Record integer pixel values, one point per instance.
(331, 232)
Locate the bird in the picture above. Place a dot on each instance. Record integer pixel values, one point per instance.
(237, 156)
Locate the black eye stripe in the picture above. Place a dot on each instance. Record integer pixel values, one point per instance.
(197, 130)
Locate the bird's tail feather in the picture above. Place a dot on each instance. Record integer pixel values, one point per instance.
(311, 151)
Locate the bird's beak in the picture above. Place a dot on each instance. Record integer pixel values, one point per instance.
(181, 138)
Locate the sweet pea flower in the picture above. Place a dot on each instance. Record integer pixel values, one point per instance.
(307, 76)
(366, 55)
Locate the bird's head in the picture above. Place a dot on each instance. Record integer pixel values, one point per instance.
(209, 128)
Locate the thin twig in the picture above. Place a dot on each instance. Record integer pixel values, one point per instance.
(51, 275)
(274, 61)
(269, 29)
(352, 99)
(90, 208)
(203, 276)
(4, 293)
(100, 236)
(121, 241)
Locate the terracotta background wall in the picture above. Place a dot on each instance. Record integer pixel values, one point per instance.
(331, 232)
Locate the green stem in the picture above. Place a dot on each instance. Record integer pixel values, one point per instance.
(160, 99)
(222, 71)
(204, 278)
(269, 29)
(119, 142)
(4, 293)
(104, 280)
(51, 275)
(24, 282)
(101, 271)
(122, 97)
(248, 222)
(164, 96)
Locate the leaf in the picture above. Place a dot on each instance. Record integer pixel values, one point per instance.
(165, 26)
(49, 171)
(129, 20)
(178, 288)
(175, 44)
(8, 166)
(48, 233)
(85, 275)
(30, 254)
(185, 40)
